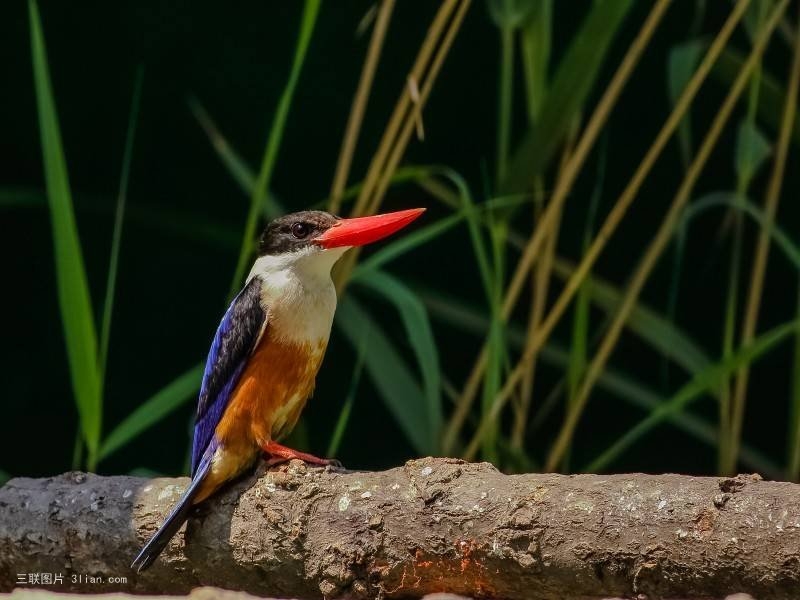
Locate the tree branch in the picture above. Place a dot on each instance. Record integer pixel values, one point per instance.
(432, 525)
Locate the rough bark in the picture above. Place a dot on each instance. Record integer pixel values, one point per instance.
(432, 525)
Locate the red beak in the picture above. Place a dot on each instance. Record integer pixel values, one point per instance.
(365, 230)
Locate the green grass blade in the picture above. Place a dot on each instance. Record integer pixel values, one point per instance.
(409, 173)
(729, 342)
(646, 323)
(262, 183)
(771, 95)
(508, 15)
(420, 336)
(734, 202)
(752, 151)
(754, 17)
(412, 241)
(505, 103)
(453, 312)
(347, 408)
(389, 374)
(492, 382)
(241, 172)
(636, 394)
(580, 341)
(780, 238)
(626, 388)
(4, 477)
(475, 222)
(77, 315)
(155, 217)
(407, 243)
(704, 382)
(793, 460)
(681, 65)
(202, 229)
(535, 43)
(21, 197)
(77, 450)
(581, 321)
(171, 397)
(116, 237)
(238, 168)
(574, 79)
(498, 359)
(679, 254)
(474, 225)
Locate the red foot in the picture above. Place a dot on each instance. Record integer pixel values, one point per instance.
(280, 454)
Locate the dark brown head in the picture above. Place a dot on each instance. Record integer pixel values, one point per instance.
(294, 231)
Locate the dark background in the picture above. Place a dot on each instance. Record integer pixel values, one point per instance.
(234, 58)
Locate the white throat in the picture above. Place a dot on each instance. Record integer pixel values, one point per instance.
(298, 294)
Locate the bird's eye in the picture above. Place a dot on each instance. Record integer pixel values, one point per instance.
(300, 230)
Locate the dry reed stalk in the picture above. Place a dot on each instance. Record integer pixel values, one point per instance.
(403, 112)
(403, 103)
(540, 282)
(359, 105)
(563, 186)
(414, 118)
(623, 202)
(761, 253)
(660, 241)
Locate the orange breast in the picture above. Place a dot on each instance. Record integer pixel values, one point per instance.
(271, 392)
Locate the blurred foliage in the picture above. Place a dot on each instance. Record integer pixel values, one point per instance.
(531, 319)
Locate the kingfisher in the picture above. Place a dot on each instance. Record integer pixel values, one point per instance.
(266, 353)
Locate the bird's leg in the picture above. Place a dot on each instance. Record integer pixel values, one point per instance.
(279, 454)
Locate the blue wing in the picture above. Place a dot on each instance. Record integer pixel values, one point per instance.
(236, 337)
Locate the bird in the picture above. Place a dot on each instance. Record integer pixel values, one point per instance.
(266, 353)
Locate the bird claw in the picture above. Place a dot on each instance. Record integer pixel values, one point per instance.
(279, 454)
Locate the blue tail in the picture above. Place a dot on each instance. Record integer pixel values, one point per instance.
(172, 523)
